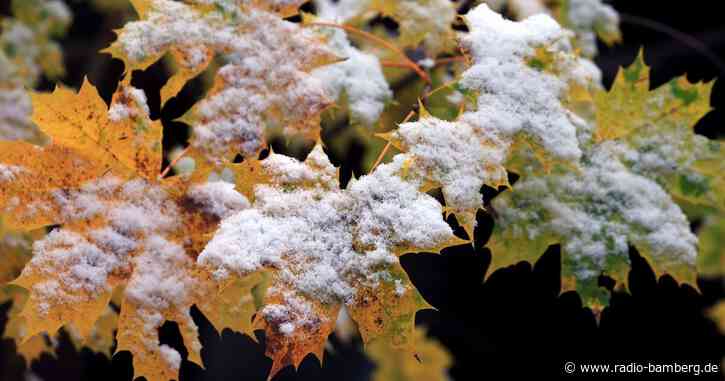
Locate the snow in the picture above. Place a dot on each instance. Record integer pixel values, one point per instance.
(112, 241)
(456, 155)
(599, 211)
(400, 289)
(527, 8)
(266, 80)
(325, 241)
(160, 279)
(86, 264)
(359, 76)
(288, 230)
(589, 18)
(514, 98)
(15, 110)
(171, 356)
(427, 63)
(294, 313)
(124, 109)
(287, 170)
(8, 172)
(233, 113)
(287, 328)
(340, 11)
(391, 211)
(218, 198)
(76, 269)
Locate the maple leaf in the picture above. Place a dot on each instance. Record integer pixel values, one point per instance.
(121, 226)
(594, 213)
(235, 306)
(265, 83)
(455, 156)
(657, 130)
(430, 363)
(574, 190)
(463, 155)
(642, 143)
(325, 247)
(15, 248)
(85, 137)
(14, 254)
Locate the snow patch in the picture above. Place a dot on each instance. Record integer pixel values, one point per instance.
(218, 198)
(513, 97)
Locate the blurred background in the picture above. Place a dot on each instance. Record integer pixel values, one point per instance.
(516, 323)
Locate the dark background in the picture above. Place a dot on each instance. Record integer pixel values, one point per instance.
(516, 323)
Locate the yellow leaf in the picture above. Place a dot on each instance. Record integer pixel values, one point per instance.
(430, 361)
(625, 106)
(185, 70)
(290, 348)
(234, 307)
(123, 138)
(280, 98)
(387, 313)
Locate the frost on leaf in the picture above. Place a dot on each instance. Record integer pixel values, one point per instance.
(265, 83)
(327, 247)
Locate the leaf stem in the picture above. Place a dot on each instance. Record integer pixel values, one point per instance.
(408, 62)
(387, 146)
(445, 60)
(173, 162)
